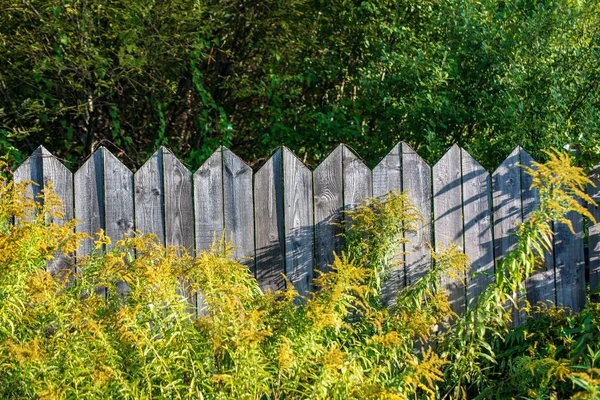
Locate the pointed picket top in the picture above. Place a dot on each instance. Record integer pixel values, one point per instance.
(291, 157)
(42, 167)
(211, 162)
(512, 159)
(150, 162)
(350, 154)
(31, 170)
(274, 158)
(169, 157)
(453, 151)
(333, 157)
(233, 158)
(467, 157)
(358, 180)
(385, 160)
(109, 157)
(94, 163)
(387, 173)
(407, 149)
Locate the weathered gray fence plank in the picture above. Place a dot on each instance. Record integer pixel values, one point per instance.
(179, 208)
(149, 197)
(416, 181)
(221, 196)
(62, 182)
(357, 179)
(45, 169)
(594, 231)
(268, 211)
(448, 217)
(31, 170)
(506, 184)
(298, 222)
(118, 198)
(89, 199)
(208, 201)
(507, 189)
(328, 203)
(387, 176)
(570, 264)
(238, 206)
(477, 205)
(540, 287)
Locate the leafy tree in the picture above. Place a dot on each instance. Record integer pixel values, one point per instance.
(253, 75)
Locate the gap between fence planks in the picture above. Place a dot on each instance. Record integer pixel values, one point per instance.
(281, 217)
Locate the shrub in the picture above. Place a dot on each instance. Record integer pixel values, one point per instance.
(119, 324)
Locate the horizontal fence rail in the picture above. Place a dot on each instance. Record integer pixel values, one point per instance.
(280, 218)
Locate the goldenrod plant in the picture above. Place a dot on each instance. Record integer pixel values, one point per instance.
(473, 343)
(118, 322)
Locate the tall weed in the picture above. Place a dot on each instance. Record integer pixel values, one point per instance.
(61, 337)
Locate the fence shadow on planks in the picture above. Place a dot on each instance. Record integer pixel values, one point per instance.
(279, 217)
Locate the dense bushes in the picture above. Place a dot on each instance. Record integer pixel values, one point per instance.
(119, 326)
(308, 74)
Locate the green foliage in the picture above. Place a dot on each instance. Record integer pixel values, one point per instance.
(472, 344)
(122, 326)
(307, 74)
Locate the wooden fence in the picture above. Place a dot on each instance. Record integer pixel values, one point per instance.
(279, 217)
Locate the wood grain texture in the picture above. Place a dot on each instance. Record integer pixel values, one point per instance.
(31, 170)
(89, 199)
(149, 197)
(270, 235)
(570, 264)
(540, 287)
(477, 208)
(387, 176)
(62, 182)
(298, 222)
(328, 204)
(179, 208)
(448, 218)
(118, 197)
(179, 212)
(416, 181)
(47, 171)
(208, 201)
(506, 187)
(238, 206)
(594, 231)
(357, 179)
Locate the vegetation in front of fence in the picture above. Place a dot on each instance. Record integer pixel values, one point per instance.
(61, 338)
